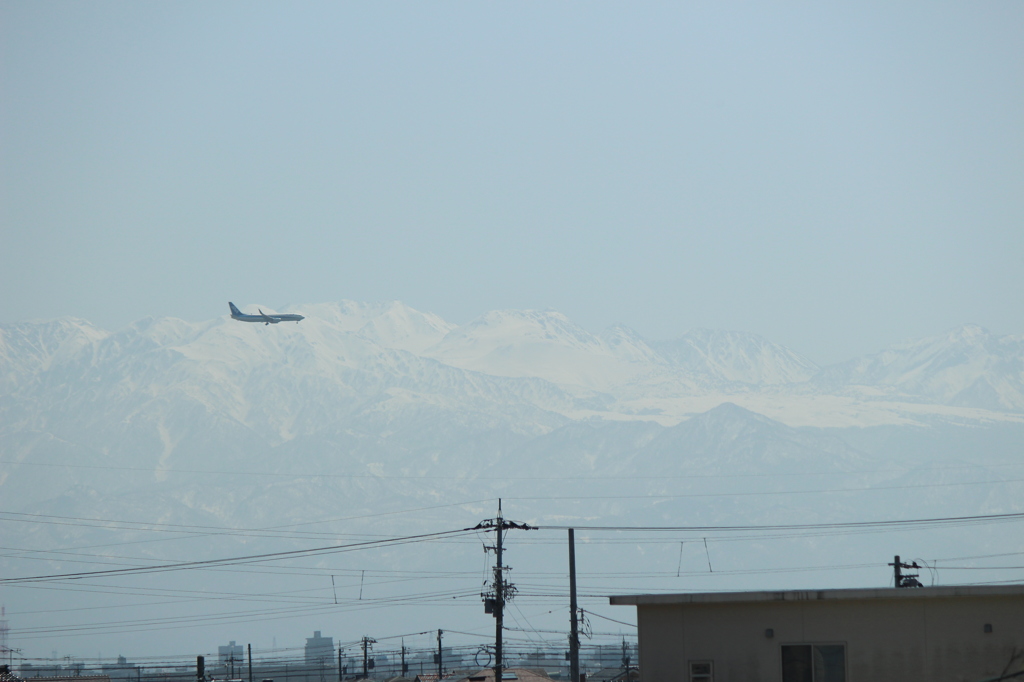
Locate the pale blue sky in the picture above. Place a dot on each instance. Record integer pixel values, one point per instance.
(836, 178)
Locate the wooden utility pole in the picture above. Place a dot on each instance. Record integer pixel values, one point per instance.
(574, 635)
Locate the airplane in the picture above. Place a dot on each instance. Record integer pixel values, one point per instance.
(237, 314)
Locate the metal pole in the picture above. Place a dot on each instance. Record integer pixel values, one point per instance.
(574, 635)
(250, 662)
(440, 660)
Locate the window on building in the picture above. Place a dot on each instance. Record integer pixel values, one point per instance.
(701, 671)
(814, 663)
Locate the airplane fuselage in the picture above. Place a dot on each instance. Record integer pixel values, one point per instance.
(263, 317)
(268, 319)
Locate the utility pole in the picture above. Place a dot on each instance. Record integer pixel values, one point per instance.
(367, 641)
(339, 663)
(200, 669)
(405, 668)
(574, 635)
(625, 660)
(900, 580)
(440, 656)
(499, 591)
(502, 591)
(250, 662)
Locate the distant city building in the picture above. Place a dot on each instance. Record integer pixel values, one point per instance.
(487, 675)
(608, 655)
(231, 656)
(65, 677)
(57, 673)
(319, 649)
(122, 670)
(32, 670)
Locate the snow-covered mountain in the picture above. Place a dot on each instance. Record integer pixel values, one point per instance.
(736, 357)
(965, 367)
(391, 325)
(383, 385)
(541, 344)
(29, 349)
(337, 427)
(532, 369)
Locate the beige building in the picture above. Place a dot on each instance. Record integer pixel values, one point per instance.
(927, 634)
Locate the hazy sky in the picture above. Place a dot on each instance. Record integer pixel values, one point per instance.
(836, 178)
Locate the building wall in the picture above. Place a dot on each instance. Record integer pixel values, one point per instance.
(933, 639)
(319, 650)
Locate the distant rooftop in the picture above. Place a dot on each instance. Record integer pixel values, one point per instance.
(818, 595)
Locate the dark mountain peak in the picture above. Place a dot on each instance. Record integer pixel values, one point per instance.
(729, 411)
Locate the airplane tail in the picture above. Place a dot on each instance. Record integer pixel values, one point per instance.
(235, 312)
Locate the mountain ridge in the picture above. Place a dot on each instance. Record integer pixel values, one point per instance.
(964, 373)
(169, 440)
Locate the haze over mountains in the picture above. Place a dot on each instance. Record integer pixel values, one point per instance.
(339, 423)
(537, 360)
(386, 384)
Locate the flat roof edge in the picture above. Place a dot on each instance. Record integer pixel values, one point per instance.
(946, 591)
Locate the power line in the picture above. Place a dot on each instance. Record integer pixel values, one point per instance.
(980, 556)
(947, 520)
(816, 491)
(278, 475)
(233, 561)
(620, 622)
(212, 530)
(253, 558)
